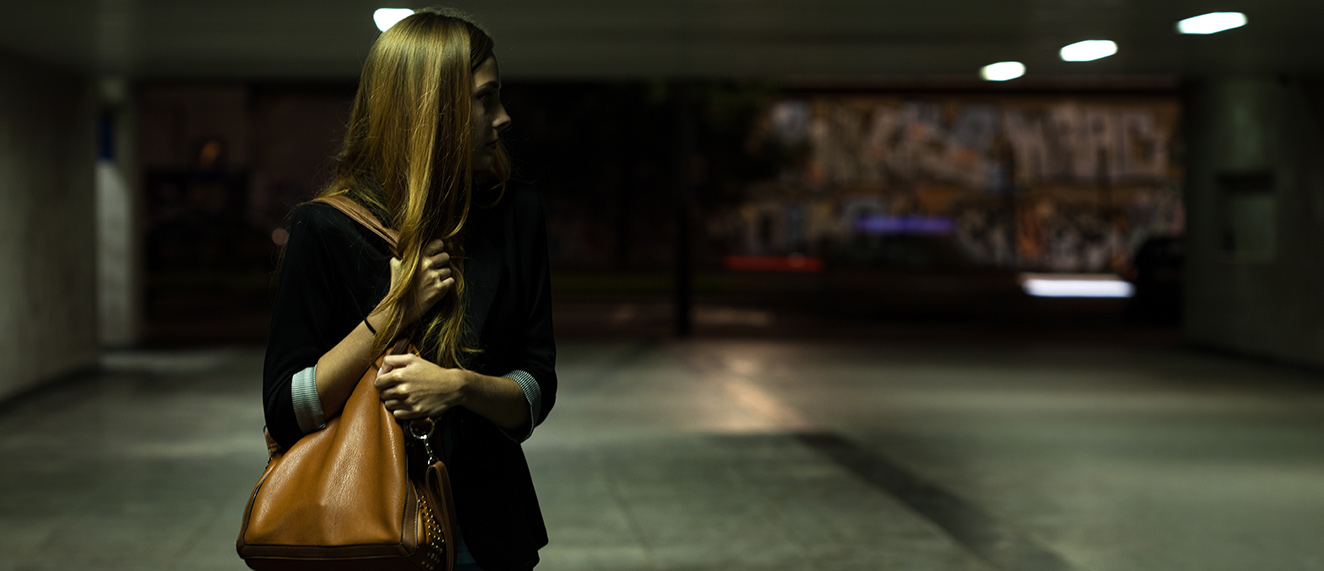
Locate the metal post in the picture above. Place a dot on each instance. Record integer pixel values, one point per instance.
(683, 181)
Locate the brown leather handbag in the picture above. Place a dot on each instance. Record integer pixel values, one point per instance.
(344, 497)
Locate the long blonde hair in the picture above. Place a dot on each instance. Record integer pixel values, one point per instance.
(408, 157)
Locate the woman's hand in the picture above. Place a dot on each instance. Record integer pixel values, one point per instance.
(431, 282)
(412, 387)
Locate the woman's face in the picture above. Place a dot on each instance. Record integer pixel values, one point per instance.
(489, 115)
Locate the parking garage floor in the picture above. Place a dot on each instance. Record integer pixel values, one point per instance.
(745, 454)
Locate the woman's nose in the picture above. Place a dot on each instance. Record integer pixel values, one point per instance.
(502, 121)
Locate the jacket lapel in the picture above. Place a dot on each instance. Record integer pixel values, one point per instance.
(483, 272)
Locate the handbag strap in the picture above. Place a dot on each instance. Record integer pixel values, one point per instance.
(359, 214)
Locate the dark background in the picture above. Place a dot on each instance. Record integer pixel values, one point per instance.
(624, 166)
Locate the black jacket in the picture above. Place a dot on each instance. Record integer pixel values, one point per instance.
(335, 271)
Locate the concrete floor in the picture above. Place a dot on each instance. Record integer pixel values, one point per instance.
(735, 455)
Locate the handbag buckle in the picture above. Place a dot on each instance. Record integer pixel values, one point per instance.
(423, 435)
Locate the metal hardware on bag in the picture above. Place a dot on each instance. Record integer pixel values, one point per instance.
(424, 437)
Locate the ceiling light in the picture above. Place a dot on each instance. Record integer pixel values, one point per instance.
(387, 17)
(1002, 71)
(1088, 50)
(1212, 23)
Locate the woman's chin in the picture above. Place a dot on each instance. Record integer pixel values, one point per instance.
(484, 166)
(484, 176)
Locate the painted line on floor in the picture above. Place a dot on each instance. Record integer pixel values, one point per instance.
(993, 541)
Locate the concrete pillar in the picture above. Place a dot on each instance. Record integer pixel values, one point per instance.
(47, 243)
(118, 247)
(1255, 205)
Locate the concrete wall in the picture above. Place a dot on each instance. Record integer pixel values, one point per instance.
(1255, 199)
(47, 225)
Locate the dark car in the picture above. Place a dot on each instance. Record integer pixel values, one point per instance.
(916, 276)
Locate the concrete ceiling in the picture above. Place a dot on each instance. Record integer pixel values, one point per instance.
(850, 40)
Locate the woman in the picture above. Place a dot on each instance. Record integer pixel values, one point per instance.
(470, 281)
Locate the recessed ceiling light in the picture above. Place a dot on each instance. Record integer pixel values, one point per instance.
(387, 17)
(1002, 71)
(1088, 50)
(1212, 23)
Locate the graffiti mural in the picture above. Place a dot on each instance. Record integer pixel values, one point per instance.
(1048, 183)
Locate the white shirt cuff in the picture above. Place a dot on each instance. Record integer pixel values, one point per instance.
(532, 394)
(307, 405)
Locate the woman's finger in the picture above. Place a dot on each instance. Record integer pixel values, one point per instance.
(440, 260)
(395, 270)
(397, 391)
(433, 247)
(397, 361)
(406, 414)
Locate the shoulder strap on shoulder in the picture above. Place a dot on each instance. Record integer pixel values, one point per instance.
(361, 215)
